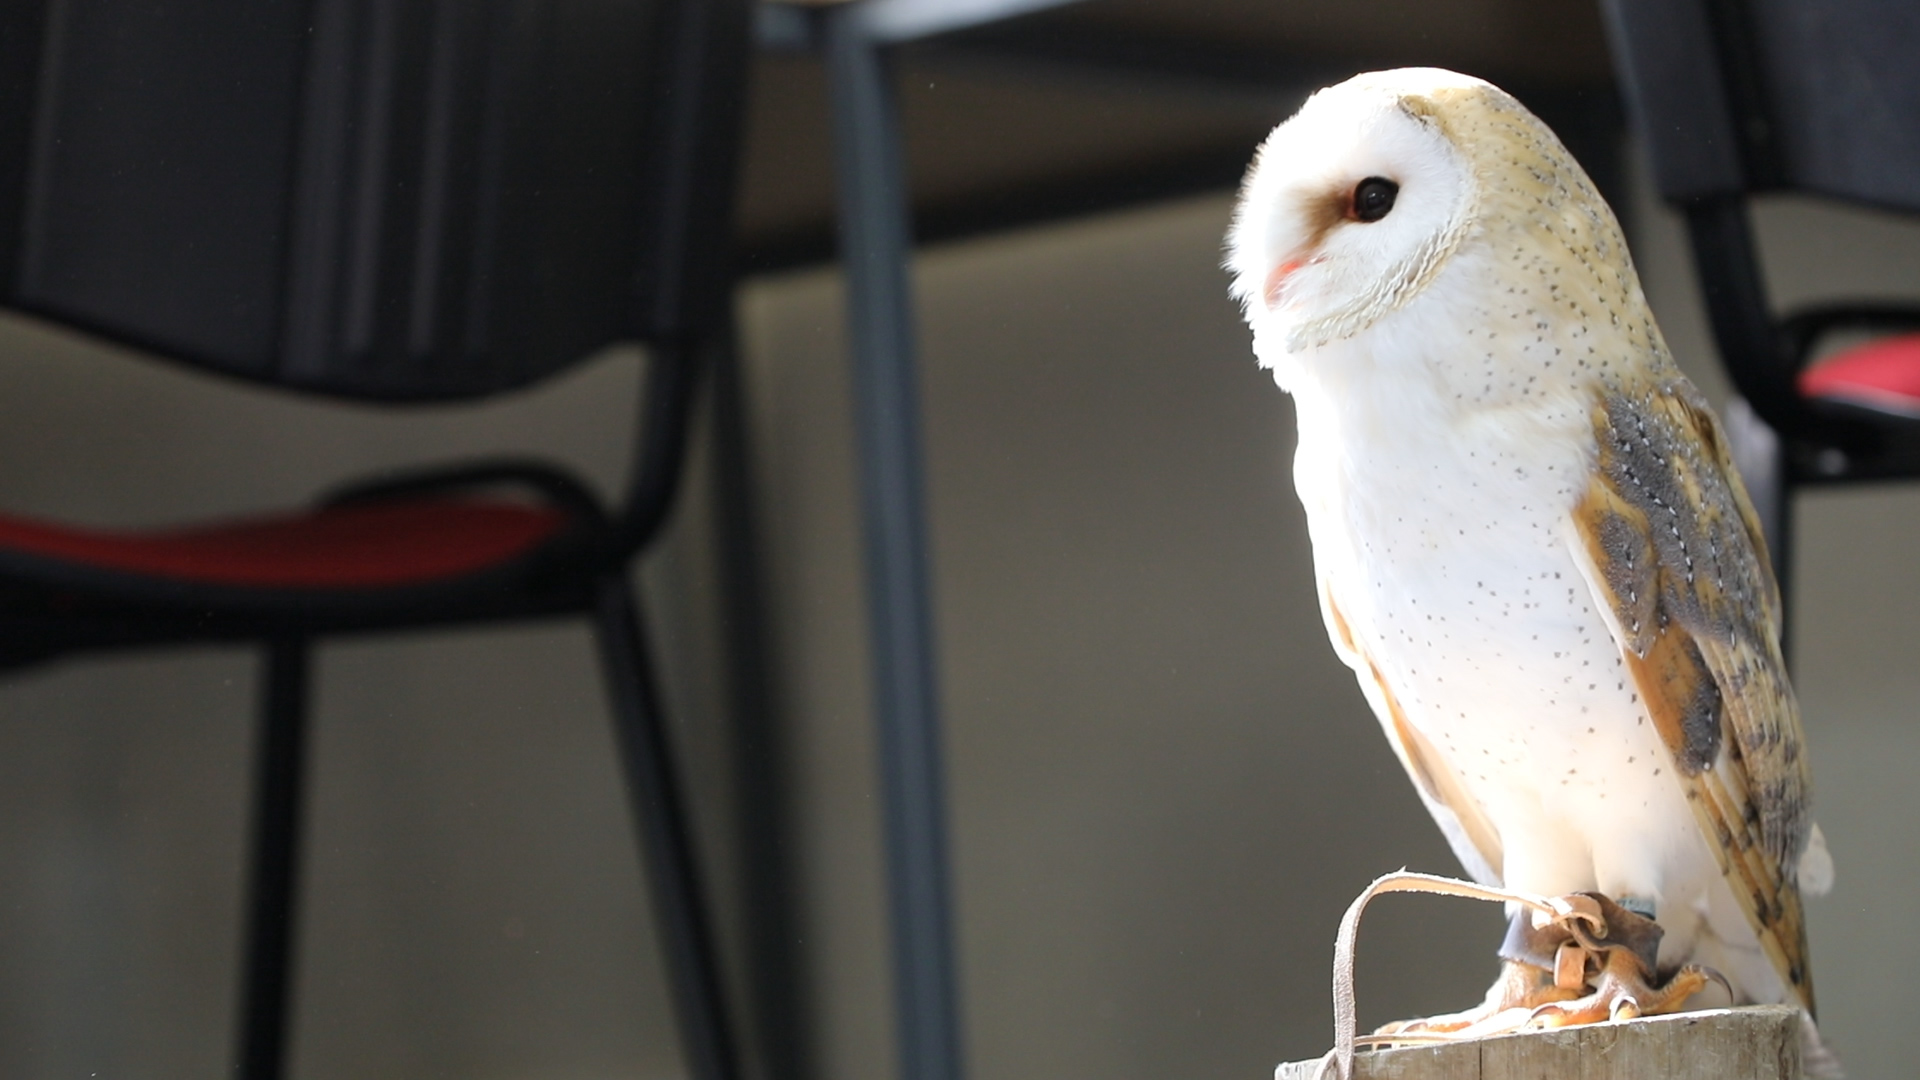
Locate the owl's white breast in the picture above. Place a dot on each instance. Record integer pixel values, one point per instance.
(1441, 453)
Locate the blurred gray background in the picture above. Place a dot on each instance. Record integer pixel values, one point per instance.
(1164, 786)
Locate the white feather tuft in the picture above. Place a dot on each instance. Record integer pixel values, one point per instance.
(1816, 865)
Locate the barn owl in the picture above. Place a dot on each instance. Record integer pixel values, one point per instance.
(1531, 545)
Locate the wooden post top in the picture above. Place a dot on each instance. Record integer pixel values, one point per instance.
(1757, 1042)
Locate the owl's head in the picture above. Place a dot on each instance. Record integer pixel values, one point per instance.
(1354, 204)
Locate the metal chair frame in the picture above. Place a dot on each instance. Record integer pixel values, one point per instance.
(51, 607)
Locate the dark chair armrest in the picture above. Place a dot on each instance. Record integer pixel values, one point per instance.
(673, 372)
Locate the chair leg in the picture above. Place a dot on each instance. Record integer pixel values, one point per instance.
(877, 245)
(266, 996)
(775, 1020)
(666, 837)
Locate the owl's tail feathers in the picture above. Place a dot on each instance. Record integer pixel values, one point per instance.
(1817, 1059)
(1816, 865)
(1815, 874)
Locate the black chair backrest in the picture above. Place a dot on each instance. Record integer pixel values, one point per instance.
(1742, 96)
(388, 199)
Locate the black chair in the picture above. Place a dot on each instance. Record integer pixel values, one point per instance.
(1736, 98)
(392, 201)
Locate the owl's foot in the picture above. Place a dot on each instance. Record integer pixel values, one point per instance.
(1608, 954)
(1511, 1001)
(1624, 991)
(1592, 961)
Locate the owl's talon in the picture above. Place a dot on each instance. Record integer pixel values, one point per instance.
(1624, 991)
(1510, 1004)
(1588, 962)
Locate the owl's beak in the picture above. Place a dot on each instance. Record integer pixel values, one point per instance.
(1277, 281)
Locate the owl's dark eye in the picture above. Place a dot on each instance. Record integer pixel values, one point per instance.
(1373, 198)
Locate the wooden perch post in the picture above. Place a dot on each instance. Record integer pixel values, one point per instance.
(1760, 1042)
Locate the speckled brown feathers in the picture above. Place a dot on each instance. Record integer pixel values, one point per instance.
(1679, 558)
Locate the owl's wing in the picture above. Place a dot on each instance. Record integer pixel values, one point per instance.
(1677, 560)
(1462, 820)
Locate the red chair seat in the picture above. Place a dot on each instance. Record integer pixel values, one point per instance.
(364, 545)
(1882, 374)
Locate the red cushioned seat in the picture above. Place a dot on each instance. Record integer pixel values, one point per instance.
(364, 545)
(1882, 374)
